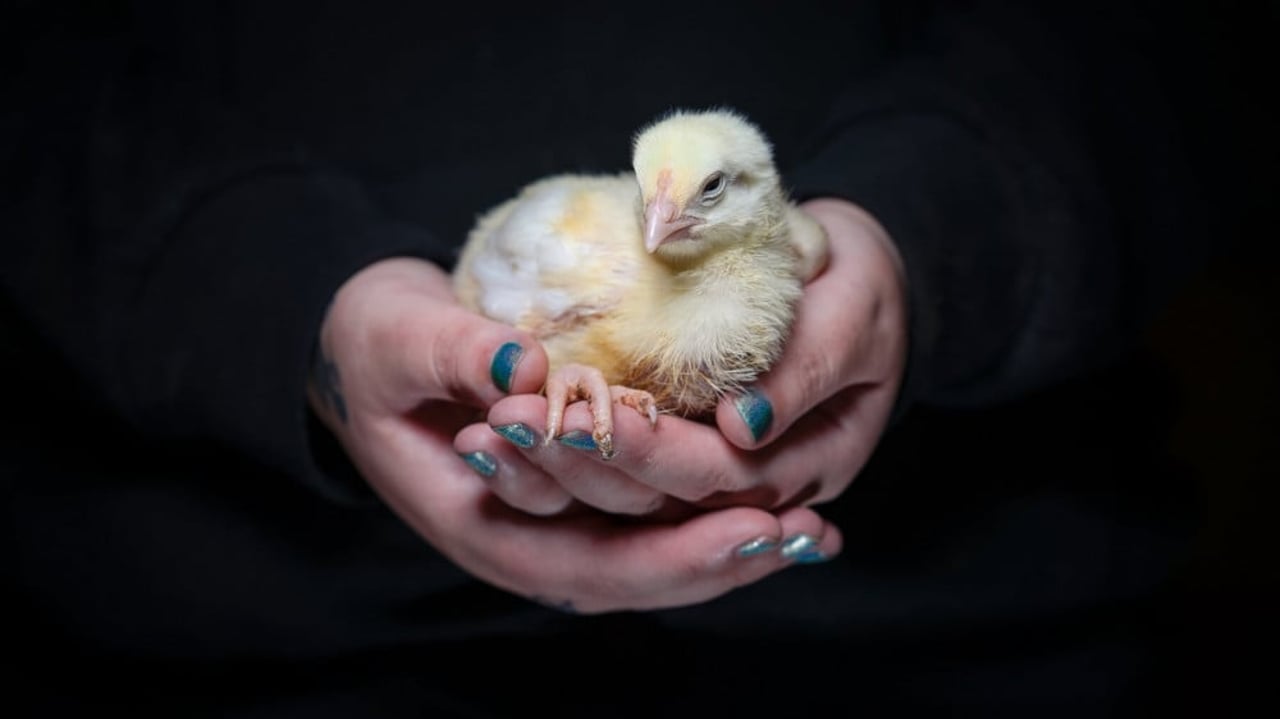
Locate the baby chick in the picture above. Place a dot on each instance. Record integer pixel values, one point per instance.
(663, 289)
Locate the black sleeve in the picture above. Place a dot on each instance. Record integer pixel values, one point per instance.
(177, 258)
(1033, 166)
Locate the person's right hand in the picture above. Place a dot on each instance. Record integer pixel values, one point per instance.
(401, 367)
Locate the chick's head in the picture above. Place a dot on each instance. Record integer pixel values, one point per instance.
(707, 179)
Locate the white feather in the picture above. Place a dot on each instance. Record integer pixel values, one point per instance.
(524, 249)
(702, 315)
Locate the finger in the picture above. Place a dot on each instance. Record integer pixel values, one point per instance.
(463, 357)
(808, 538)
(809, 240)
(695, 561)
(814, 365)
(589, 562)
(847, 330)
(692, 461)
(508, 474)
(572, 459)
(398, 337)
(606, 566)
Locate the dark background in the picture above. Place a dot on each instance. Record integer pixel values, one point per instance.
(1105, 537)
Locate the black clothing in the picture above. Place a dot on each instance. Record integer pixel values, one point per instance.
(186, 185)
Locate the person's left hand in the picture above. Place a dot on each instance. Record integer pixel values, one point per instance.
(799, 437)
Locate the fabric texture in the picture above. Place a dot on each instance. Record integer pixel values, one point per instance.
(188, 185)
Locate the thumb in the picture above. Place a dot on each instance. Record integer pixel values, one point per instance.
(813, 368)
(819, 360)
(849, 329)
(463, 357)
(398, 337)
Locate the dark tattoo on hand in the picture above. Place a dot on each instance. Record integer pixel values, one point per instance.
(327, 383)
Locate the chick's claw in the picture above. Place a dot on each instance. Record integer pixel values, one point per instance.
(604, 442)
(639, 400)
(573, 382)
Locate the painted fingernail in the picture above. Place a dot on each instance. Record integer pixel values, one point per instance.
(756, 546)
(800, 544)
(578, 439)
(812, 556)
(519, 434)
(482, 462)
(755, 411)
(503, 367)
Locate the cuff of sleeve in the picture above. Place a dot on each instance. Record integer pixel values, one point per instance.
(944, 200)
(229, 314)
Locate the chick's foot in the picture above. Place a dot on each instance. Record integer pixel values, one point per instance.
(639, 400)
(573, 382)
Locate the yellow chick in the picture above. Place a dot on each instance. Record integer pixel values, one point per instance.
(663, 289)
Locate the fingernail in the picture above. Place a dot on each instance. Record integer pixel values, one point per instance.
(813, 556)
(482, 462)
(578, 439)
(518, 434)
(800, 544)
(503, 367)
(755, 411)
(759, 545)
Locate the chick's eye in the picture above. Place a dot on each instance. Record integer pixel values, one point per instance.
(713, 187)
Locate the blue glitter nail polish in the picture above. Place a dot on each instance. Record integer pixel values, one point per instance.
(800, 544)
(578, 439)
(812, 556)
(756, 412)
(503, 367)
(518, 434)
(482, 462)
(756, 546)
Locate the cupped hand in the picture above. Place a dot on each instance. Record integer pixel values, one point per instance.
(798, 437)
(401, 368)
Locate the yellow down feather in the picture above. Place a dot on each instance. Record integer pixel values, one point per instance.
(703, 314)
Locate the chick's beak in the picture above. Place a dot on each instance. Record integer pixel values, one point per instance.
(663, 222)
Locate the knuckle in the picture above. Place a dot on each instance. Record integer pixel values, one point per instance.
(443, 348)
(715, 481)
(720, 479)
(818, 375)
